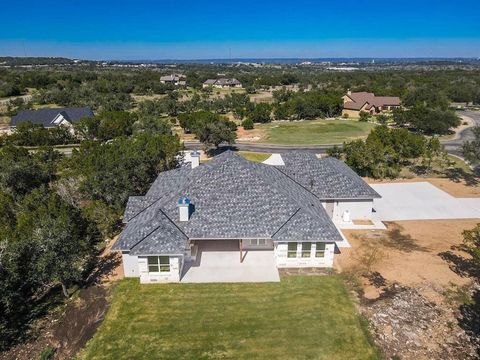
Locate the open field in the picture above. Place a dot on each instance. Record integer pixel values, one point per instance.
(299, 318)
(309, 132)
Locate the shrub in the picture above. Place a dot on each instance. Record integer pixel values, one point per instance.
(247, 124)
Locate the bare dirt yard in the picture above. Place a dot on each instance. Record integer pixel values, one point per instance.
(416, 286)
(68, 327)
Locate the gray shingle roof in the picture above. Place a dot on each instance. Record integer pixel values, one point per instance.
(327, 178)
(46, 116)
(233, 198)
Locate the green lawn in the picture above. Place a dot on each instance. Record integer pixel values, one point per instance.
(254, 156)
(311, 132)
(299, 318)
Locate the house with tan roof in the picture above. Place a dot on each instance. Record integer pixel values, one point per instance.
(356, 102)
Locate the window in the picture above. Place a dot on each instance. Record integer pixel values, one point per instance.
(292, 250)
(320, 251)
(253, 242)
(164, 263)
(158, 263)
(261, 242)
(306, 249)
(153, 264)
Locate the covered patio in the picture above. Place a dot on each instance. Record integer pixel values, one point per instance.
(219, 261)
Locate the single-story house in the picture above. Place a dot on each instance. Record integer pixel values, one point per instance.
(50, 118)
(356, 102)
(289, 209)
(174, 79)
(223, 83)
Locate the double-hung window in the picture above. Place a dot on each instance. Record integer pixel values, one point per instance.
(158, 264)
(292, 250)
(320, 251)
(306, 249)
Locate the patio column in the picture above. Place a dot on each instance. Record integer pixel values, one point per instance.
(240, 245)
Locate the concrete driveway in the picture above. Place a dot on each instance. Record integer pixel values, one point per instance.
(421, 201)
(219, 261)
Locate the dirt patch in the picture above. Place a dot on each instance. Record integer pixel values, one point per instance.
(409, 252)
(69, 327)
(362, 222)
(416, 286)
(250, 135)
(304, 271)
(462, 188)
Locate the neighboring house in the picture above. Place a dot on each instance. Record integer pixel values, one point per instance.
(356, 102)
(289, 209)
(174, 79)
(51, 117)
(223, 83)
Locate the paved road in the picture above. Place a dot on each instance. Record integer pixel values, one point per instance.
(266, 148)
(452, 146)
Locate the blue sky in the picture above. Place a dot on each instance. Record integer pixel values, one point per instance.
(186, 29)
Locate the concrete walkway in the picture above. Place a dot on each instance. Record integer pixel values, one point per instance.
(421, 201)
(218, 261)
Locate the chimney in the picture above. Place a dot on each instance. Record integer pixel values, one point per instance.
(195, 156)
(184, 208)
(349, 92)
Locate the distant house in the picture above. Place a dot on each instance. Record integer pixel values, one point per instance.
(356, 102)
(50, 118)
(223, 83)
(174, 79)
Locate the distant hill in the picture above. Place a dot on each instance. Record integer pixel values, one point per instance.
(19, 61)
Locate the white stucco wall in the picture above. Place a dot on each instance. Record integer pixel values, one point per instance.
(176, 264)
(281, 250)
(130, 265)
(359, 209)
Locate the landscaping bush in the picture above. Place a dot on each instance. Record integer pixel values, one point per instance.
(248, 124)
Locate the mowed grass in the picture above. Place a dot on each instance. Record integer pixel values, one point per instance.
(299, 318)
(254, 156)
(313, 132)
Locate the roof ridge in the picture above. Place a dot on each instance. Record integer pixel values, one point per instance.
(285, 223)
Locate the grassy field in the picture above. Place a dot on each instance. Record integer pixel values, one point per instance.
(254, 156)
(311, 132)
(299, 318)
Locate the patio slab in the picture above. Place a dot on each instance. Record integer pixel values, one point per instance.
(218, 261)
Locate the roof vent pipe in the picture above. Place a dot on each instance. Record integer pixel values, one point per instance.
(184, 208)
(195, 156)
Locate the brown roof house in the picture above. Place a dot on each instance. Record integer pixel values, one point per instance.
(356, 102)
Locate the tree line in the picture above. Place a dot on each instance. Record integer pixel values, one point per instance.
(55, 212)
